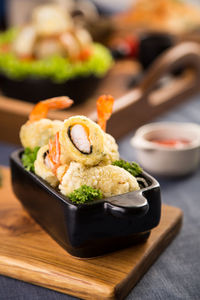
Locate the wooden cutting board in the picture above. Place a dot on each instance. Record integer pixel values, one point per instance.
(27, 253)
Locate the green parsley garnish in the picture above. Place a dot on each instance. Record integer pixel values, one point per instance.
(85, 194)
(28, 158)
(132, 167)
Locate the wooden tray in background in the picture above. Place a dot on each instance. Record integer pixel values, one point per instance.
(29, 254)
(14, 113)
(132, 108)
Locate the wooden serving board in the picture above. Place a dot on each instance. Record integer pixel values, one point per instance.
(28, 253)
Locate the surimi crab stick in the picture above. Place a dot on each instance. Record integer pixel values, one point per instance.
(47, 164)
(54, 153)
(43, 166)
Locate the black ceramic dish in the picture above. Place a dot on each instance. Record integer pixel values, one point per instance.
(37, 89)
(93, 229)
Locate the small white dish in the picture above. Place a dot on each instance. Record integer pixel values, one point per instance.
(168, 160)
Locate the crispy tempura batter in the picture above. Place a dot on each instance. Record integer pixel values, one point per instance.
(111, 180)
(37, 131)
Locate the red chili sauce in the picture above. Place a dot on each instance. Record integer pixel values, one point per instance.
(176, 143)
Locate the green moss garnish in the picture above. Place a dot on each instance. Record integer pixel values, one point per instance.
(28, 158)
(133, 168)
(85, 194)
(57, 68)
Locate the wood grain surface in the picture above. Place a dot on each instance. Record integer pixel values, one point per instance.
(27, 253)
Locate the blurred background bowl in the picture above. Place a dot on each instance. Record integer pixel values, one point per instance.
(37, 89)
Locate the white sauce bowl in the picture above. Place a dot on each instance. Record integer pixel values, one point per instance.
(167, 160)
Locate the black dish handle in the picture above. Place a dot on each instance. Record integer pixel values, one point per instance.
(132, 204)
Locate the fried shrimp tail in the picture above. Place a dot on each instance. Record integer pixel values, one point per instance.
(37, 131)
(104, 110)
(41, 109)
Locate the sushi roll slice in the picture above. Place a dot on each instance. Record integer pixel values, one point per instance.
(43, 167)
(111, 180)
(81, 140)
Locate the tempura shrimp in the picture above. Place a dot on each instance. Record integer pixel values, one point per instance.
(104, 112)
(38, 129)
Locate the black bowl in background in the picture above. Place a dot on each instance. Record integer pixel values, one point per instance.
(151, 45)
(37, 89)
(92, 229)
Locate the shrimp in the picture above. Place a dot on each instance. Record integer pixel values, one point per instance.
(104, 110)
(38, 130)
(41, 109)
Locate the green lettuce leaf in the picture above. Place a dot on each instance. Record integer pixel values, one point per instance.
(57, 68)
(28, 158)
